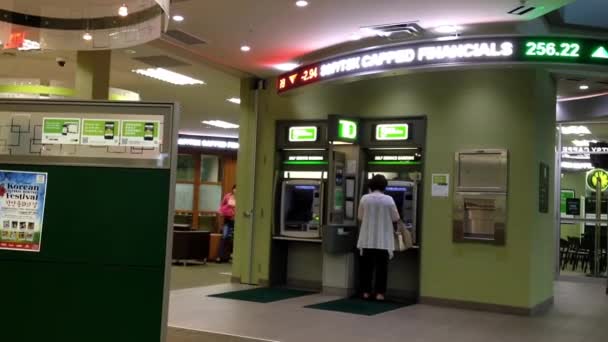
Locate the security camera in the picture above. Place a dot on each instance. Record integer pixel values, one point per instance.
(60, 61)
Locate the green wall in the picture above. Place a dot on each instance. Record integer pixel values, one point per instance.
(503, 108)
(100, 273)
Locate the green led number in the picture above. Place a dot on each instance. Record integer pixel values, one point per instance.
(551, 49)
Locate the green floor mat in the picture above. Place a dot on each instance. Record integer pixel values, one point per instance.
(358, 306)
(263, 294)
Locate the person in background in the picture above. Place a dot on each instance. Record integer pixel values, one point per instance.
(228, 211)
(378, 215)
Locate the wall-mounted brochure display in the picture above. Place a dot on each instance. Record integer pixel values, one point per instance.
(61, 131)
(140, 133)
(100, 132)
(490, 49)
(22, 197)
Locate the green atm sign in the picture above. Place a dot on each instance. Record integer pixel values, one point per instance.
(393, 132)
(303, 134)
(347, 129)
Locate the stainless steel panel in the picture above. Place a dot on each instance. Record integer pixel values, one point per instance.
(480, 216)
(482, 170)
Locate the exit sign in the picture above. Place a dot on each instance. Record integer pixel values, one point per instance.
(389, 132)
(303, 134)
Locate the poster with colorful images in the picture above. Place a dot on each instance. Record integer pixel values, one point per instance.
(61, 131)
(100, 132)
(22, 196)
(140, 133)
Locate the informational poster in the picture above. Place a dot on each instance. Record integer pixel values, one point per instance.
(441, 185)
(22, 196)
(100, 132)
(140, 133)
(61, 131)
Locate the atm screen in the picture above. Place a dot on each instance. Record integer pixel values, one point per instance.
(300, 203)
(398, 193)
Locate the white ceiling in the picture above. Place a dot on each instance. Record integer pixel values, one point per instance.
(280, 32)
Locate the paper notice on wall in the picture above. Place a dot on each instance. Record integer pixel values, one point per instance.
(22, 196)
(100, 132)
(61, 131)
(441, 185)
(351, 167)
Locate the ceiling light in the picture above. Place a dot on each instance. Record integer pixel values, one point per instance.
(29, 45)
(286, 66)
(178, 18)
(87, 36)
(447, 29)
(302, 3)
(168, 76)
(245, 48)
(123, 11)
(582, 143)
(583, 87)
(579, 130)
(234, 100)
(220, 124)
(130, 52)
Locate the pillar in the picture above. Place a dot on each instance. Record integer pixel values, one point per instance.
(93, 74)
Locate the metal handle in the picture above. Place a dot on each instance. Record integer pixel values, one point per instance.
(248, 213)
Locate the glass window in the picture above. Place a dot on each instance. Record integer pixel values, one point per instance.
(184, 197)
(185, 168)
(210, 168)
(210, 197)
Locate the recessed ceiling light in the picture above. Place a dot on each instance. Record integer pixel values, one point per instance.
(245, 48)
(220, 124)
(286, 66)
(234, 100)
(583, 87)
(178, 18)
(446, 29)
(302, 3)
(168, 76)
(130, 51)
(123, 11)
(87, 36)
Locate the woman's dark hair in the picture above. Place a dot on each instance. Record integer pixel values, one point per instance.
(234, 187)
(378, 183)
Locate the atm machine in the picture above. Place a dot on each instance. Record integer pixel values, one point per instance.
(395, 149)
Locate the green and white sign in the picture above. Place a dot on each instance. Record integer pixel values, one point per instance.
(563, 200)
(597, 176)
(601, 53)
(140, 133)
(61, 131)
(100, 132)
(303, 134)
(347, 129)
(392, 132)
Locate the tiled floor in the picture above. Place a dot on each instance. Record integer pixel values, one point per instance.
(580, 315)
(191, 276)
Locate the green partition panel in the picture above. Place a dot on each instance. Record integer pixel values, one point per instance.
(100, 273)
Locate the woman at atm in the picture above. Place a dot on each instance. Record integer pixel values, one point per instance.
(378, 215)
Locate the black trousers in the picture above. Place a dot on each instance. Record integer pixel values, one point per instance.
(374, 261)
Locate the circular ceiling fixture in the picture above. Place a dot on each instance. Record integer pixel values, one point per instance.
(178, 18)
(66, 24)
(583, 87)
(245, 48)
